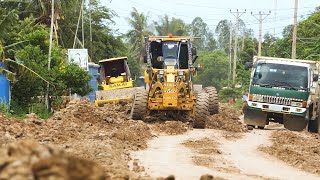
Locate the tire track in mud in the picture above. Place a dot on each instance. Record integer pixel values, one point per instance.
(240, 158)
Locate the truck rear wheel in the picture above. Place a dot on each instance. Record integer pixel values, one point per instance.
(201, 111)
(213, 100)
(139, 106)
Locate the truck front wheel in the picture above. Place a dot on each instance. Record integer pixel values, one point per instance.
(313, 125)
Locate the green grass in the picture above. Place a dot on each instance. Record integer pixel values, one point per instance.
(237, 104)
(20, 111)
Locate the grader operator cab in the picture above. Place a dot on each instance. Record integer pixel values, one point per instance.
(117, 83)
(169, 78)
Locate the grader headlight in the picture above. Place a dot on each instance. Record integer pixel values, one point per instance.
(181, 73)
(161, 72)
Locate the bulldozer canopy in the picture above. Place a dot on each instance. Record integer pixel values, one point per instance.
(114, 67)
(167, 38)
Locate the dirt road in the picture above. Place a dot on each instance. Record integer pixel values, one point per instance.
(239, 159)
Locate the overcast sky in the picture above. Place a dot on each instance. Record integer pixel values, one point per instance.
(212, 11)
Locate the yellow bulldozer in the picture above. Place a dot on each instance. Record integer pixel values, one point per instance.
(169, 79)
(116, 81)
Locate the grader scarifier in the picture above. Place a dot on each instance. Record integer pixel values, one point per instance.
(169, 78)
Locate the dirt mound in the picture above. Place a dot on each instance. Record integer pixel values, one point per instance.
(299, 149)
(227, 119)
(134, 134)
(203, 146)
(208, 154)
(101, 134)
(27, 159)
(87, 112)
(170, 127)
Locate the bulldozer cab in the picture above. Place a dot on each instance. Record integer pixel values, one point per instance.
(115, 73)
(170, 51)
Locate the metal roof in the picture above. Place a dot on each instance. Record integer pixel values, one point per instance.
(113, 59)
(173, 38)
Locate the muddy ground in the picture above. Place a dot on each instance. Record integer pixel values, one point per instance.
(106, 144)
(299, 149)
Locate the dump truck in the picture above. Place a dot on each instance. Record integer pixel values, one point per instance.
(285, 91)
(169, 77)
(116, 81)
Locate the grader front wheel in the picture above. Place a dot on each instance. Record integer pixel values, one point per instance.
(139, 106)
(213, 100)
(201, 111)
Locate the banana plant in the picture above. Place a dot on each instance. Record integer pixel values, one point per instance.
(18, 67)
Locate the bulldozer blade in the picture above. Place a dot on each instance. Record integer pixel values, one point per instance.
(116, 95)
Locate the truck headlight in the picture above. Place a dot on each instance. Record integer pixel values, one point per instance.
(299, 104)
(257, 98)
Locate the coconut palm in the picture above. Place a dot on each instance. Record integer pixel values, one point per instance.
(174, 26)
(139, 31)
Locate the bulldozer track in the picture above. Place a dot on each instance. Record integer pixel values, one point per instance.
(213, 100)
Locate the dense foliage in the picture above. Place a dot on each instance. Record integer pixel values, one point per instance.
(24, 38)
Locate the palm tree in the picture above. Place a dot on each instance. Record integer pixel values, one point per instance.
(139, 31)
(176, 26)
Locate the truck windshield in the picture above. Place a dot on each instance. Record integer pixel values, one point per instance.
(281, 75)
(170, 52)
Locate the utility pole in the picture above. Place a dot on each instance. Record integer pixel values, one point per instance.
(49, 54)
(275, 16)
(237, 14)
(262, 16)
(295, 29)
(230, 51)
(91, 51)
(82, 24)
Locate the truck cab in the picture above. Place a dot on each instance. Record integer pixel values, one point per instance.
(283, 91)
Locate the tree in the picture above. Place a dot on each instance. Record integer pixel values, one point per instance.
(136, 35)
(215, 68)
(199, 29)
(174, 26)
(223, 31)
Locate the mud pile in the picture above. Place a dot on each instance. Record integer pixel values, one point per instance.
(299, 149)
(227, 119)
(27, 159)
(102, 134)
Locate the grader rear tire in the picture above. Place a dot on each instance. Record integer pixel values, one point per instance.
(201, 111)
(139, 106)
(213, 100)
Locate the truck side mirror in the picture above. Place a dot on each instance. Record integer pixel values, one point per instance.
(194, 51)
(248, 65)
(315, 77)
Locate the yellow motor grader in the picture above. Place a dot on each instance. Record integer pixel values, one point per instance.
(169, 78)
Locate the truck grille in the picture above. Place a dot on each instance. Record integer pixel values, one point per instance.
(276, 100)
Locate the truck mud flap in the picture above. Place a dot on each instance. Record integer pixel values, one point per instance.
(255, 117)
(294, 123)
